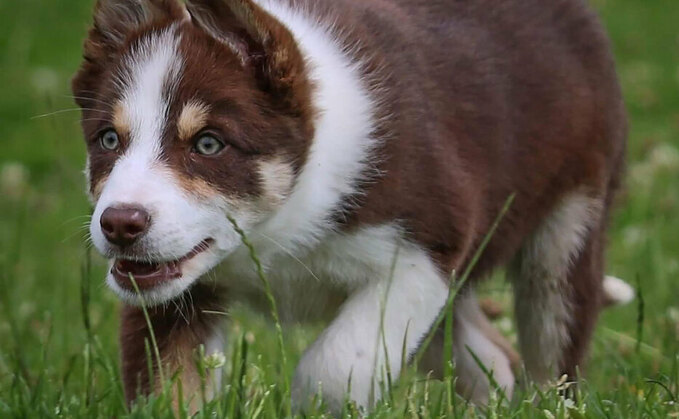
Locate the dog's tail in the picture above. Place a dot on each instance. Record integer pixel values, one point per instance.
(617, 291)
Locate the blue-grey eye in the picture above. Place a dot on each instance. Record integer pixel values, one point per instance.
(208, 145)
(109, 140)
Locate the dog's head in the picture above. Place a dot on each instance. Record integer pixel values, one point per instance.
(192, 114)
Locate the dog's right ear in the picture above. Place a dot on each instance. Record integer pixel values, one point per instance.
(263, 44)
(114, 22)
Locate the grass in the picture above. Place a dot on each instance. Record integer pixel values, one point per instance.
(58, 323)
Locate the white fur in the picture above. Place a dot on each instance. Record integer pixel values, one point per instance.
(153, 62)
(343, 135)
(542, 294)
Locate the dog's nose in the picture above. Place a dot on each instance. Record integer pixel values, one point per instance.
(123, 226)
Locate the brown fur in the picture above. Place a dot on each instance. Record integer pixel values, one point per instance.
(265, 45)
(179, 330)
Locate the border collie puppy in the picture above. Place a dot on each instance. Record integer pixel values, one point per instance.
(364, 148)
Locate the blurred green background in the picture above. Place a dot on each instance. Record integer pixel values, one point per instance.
(43, 207)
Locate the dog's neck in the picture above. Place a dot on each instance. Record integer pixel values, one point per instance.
(340, 154)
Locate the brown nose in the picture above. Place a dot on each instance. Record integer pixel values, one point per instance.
(123, 226)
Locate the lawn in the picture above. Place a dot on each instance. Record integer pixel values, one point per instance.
(58, 322)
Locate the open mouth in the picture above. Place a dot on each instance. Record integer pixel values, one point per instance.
(150, 274)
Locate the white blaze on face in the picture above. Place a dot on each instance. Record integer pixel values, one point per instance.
(155, 70)
(138, 177)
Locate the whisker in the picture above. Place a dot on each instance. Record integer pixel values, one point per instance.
(87, 217)
(87, 98)
(221, 313)
(179, 303)
(289, 253)
(90, 91)
(192, 306)
(90, 119)
(65, 111)
(80, 231)
(212, 276)
(179, 310)
(88, 241)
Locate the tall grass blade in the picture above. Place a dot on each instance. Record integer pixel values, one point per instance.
(149, 324)
(447, 359)
(274, 312)
(381, 341)
(457, 285)
(640, 315)
(488, 373)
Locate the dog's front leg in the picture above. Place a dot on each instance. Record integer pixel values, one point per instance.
(350, 358)
(179, 331)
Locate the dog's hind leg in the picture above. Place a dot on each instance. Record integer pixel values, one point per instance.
(586, 278)
(557, 278)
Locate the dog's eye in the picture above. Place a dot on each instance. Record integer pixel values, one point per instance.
(208, 145)
(109, 140)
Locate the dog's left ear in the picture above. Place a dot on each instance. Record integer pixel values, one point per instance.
(114, 22)
(262, 43)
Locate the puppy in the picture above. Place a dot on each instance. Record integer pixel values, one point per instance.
(363, 149)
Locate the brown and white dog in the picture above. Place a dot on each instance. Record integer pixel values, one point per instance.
(338, 134)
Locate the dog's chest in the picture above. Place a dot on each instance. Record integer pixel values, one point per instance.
(311, 285)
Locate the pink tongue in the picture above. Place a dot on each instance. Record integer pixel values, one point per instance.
(138, 268)
(144, 270)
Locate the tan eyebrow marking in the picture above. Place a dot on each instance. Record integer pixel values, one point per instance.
(193, 118)
(277, 180)
(121, 119)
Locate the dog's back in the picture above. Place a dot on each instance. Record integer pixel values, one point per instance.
(482, 100)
